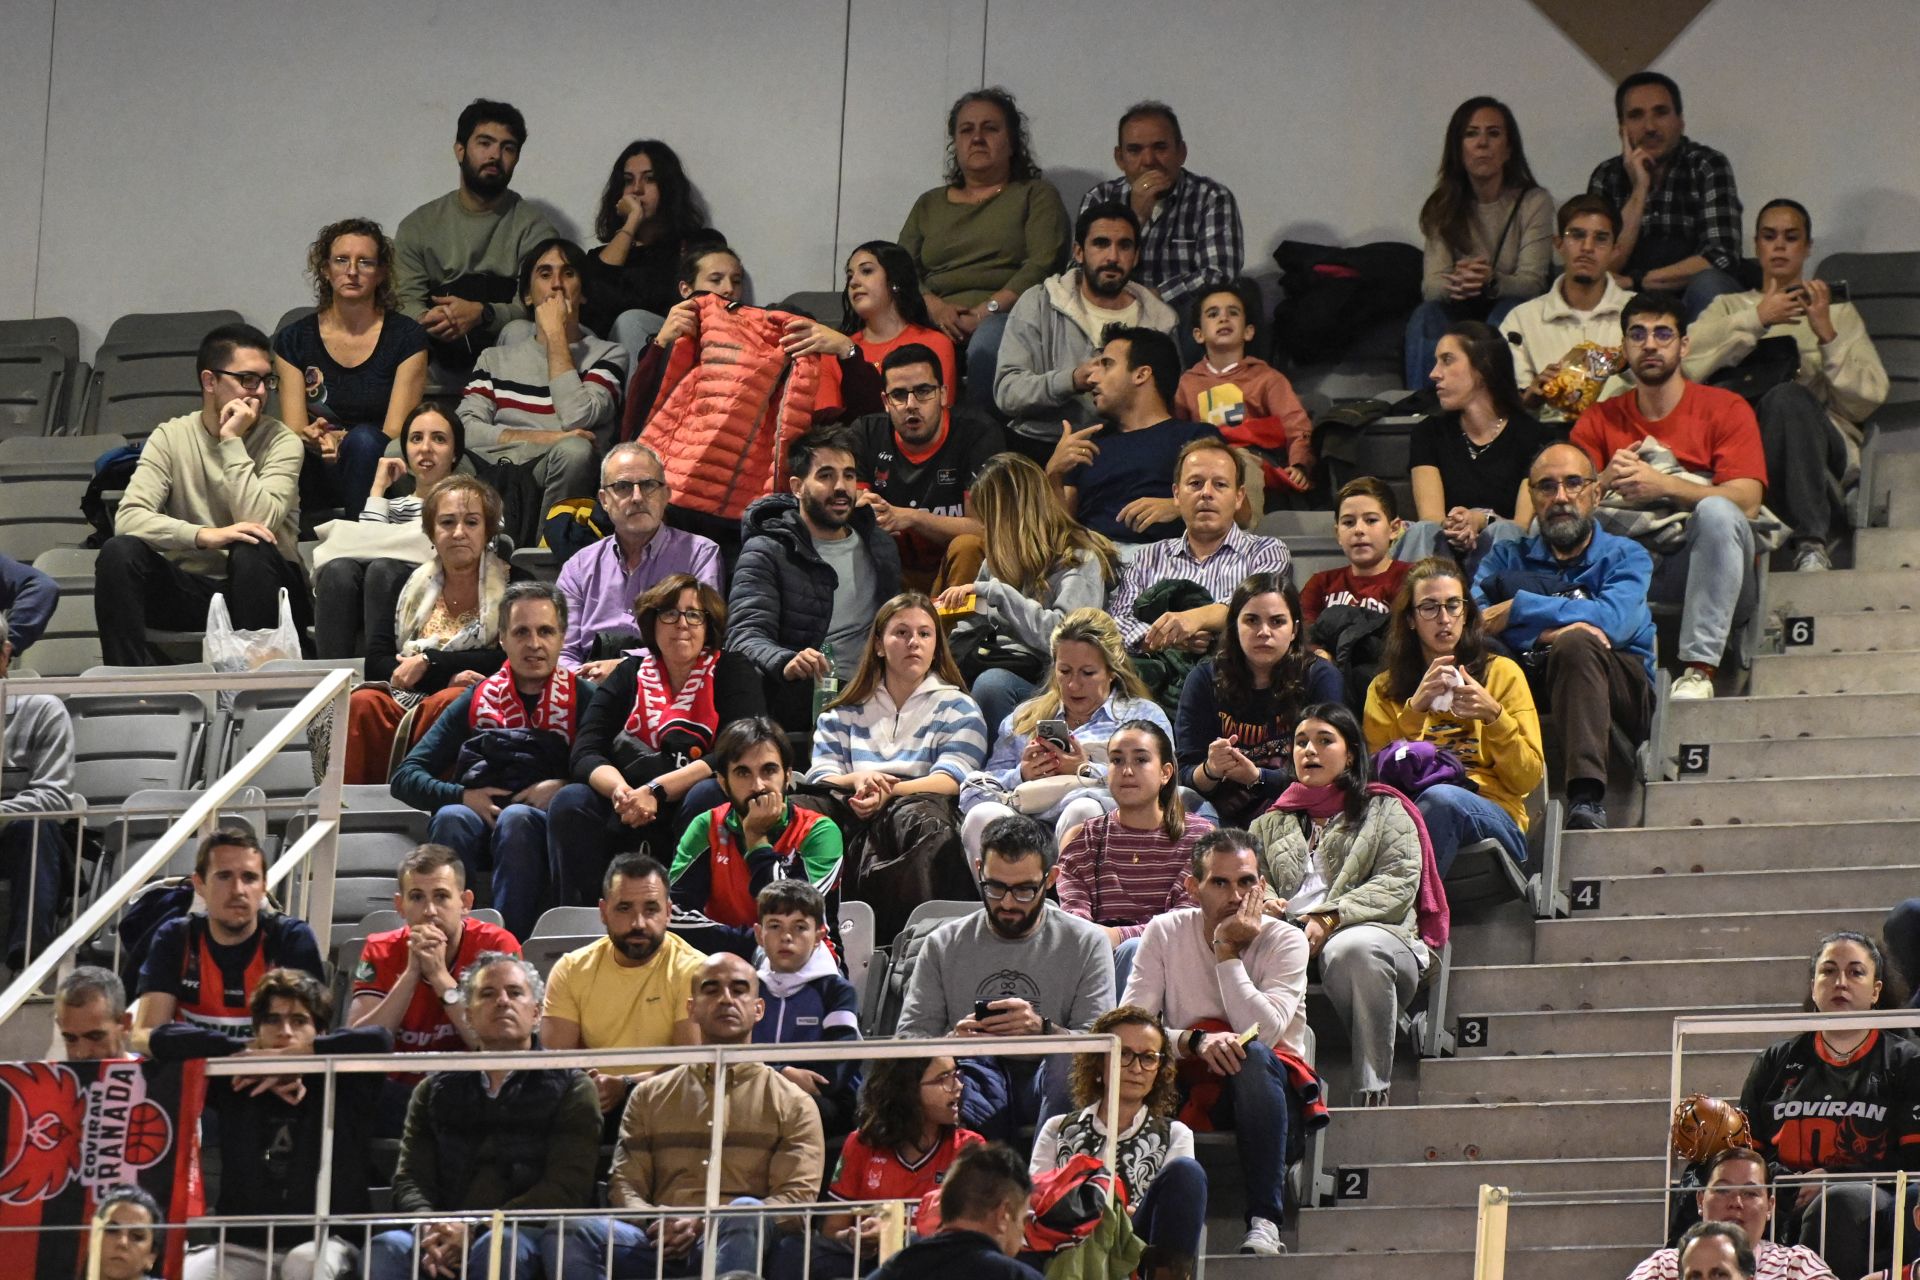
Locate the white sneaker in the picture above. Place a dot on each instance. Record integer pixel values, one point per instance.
(1692, 685)
(1812, 557)
(1263, 1238)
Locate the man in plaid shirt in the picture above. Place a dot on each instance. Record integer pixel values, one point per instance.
(1679, 208)
(1190, 233)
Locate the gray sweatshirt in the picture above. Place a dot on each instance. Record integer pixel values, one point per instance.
(1079, 584)
(39, 757)
(509, 388)
(1064, 968)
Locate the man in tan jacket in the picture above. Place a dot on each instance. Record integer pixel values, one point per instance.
(212, 509)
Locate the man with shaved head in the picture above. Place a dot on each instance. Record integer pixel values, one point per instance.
(1570, 603)
(774, 1152)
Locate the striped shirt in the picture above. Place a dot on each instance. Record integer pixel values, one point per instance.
(1696, 202)
(1771, 1262)
(1111, 874)
(939, 730)
(1192, 239)
(510, 389)
(1238, 558)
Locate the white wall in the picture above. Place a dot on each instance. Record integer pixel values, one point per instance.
(194, 146)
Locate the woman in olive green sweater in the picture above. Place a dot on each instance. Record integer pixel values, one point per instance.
(994, 230)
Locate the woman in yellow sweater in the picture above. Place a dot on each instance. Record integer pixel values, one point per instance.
(1440, 685)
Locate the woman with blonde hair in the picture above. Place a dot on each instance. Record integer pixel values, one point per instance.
(1041, 565)
(889, 755)
(1091, 691)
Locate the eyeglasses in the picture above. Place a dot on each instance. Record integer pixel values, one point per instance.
(1582, 236)
(341, 262)
(1020, 893)
(1431, 609)
(924, 393)
(1149, 1060)
(689, 616)
(1572, 486)
(624, 489)
(1752, 1195)
(250, 381)
(946, 1082)
(1661, 335)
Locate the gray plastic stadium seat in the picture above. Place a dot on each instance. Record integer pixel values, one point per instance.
(130, 391)
(145, 816)
(856, 927)
(35, 383)
(543, 950)
(254, 713)
(38, 514)
(70, 457)
(1288, 525)
(127, 743)
(48, 331)
(556, 921)
(1886, 290)
(177, 330)
(71, 643)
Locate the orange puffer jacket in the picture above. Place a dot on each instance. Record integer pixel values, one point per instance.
(729, 403)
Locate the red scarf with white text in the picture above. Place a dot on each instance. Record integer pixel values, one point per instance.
(497, 705)
(655, 713)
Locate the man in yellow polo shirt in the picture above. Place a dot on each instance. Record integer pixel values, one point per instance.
(630, 988)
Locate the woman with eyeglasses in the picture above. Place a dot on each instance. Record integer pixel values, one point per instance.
(1166, 1187)
(1238, 708)
(1439, 684)
(882, 310)
(131, 1242)
(640, 762)
(890, 754)
(909, 1133)
(1469, 461)
(351, 371)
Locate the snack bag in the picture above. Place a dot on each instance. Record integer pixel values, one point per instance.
(1585, 370)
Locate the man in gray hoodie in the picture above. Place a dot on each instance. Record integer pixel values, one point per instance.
(1050, 351)
(38, 755)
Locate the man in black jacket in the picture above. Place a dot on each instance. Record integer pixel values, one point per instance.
(479, 1141)
(983, 1222)
(815, 567)
(271, 1128)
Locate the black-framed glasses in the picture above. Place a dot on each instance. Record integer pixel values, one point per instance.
(1431, 609)
(1020, 893)
(924, 393)
(1661, 334)
(1572, 486)
(251, 381)
(624, 489)
(1147, 1059)
(688, 616)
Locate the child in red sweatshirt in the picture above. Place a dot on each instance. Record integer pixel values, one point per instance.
(1249, 400)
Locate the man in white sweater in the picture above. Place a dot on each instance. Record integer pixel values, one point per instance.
(38, 756)
(212, 509)
(1216, 972)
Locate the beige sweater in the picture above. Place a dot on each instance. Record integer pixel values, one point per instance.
(188, 481)
(1845, 375)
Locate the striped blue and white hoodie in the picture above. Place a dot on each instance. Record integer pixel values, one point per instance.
(939, 730)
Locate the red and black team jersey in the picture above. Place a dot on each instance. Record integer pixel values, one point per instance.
(1812, 1110)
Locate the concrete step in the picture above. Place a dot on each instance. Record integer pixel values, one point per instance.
(1803, 757)
(1903, 509)
(1587, 937)
(1507, 1131)
(1727, 719)
(1586, 1077)
(1568, 1262)
(1886, 549)
(1782, 846)
(1626, 984)
(1860, 633)
(1457, 1182)
(1600, 1030)
(1364, 1229)
(1803, 673)
(1752, 894)
(1881, 795)
(1842, 591)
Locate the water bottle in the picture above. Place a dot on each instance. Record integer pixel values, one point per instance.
(827, 687)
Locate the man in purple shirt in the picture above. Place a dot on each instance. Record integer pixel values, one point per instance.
(601, 583)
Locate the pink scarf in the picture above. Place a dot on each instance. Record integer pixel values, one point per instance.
(1431, 919)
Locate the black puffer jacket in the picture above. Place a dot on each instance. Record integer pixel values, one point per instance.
(782, 594)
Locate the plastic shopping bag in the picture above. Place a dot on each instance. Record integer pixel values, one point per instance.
(228, 648)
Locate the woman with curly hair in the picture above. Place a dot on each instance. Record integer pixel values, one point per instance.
(647, 219)
(994, 230)
(1166, 1187)
(362, 364)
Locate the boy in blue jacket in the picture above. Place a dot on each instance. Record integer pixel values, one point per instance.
(806, 997)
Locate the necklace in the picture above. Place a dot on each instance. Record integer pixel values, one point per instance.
(1475, 450)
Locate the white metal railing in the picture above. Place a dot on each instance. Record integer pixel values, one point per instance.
(324, 691)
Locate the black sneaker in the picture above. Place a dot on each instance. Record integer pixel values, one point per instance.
(1587, 815)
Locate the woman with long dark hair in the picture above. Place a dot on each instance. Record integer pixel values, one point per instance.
(1488, 227)
(646, 219)
(1469, 461)
(1344, 860)
(882, 310)
(1439, 684)
(1238, 708)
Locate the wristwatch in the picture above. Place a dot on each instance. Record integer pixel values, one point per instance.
(993, 306)
(659, 793)
(451, 996)
(486, 315)
(1194, 1037)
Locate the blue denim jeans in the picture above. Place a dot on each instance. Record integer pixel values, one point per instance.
(588, 1241)
(1457, 817)
(1174, 1208)
(360, 453)
(983, 357)
(1712, 577)
(999, 691)
(516, 849)
(1253, 1105)
(390, 1255)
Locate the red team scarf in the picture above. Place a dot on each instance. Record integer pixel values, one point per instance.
(496, 704)
(653, 714)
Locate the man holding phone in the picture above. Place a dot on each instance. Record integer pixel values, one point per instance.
(1809, 422)
(1019, 966)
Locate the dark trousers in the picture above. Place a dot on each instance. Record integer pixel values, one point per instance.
(30, 858)
(351, 599)
(136, 587)
(1591, 687)
(583, 836)
(1805, 452)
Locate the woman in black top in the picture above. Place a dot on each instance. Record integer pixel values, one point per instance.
(1840, 1102)
(1470, 460)
(648, 217)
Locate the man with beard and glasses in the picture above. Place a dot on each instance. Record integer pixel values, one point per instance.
(1583, 305)
(455, 258)
(813, 571)
(917, 462)
(1030, 968)
(1571, 604)
(1050, 352)
(628, 989)
(1712, 434)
